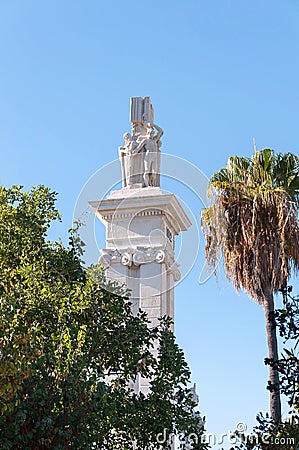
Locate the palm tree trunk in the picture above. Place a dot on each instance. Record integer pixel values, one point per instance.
(275, 405)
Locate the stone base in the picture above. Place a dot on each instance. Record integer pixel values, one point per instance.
(135, 190)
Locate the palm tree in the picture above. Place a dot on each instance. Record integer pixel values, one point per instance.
(253, 223)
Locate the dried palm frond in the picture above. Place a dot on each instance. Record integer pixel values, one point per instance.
(253, 221)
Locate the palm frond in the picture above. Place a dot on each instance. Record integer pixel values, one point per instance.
(253, 221)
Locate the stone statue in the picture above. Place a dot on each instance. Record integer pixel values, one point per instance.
(124, 156)
(151, 148)
(140, 154)
(131, 162)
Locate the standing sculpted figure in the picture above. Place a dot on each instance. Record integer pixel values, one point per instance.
(125, 153)
(131, 161)
(150, 147)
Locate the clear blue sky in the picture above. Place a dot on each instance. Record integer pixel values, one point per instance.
(218, 72)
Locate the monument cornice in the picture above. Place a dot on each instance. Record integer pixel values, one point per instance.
(119, 208)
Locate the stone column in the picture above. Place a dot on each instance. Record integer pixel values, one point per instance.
(141, 225)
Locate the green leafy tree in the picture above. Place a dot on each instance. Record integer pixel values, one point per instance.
(287, 319)
(70, 347)
(286, 435)
(252, 222)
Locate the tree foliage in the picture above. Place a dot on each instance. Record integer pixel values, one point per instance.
(287, 319)
(286, 434)
(70, 349)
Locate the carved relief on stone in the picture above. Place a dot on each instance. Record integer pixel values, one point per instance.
(108, 257)
(176, 275)
(141, 110)
(160, 256)
(105, 261)
(139, 257)
(126, 259)
(174, 270)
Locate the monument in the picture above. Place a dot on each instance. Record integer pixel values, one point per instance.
(141, 222)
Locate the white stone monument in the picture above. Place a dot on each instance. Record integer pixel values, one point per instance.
(141, 222)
